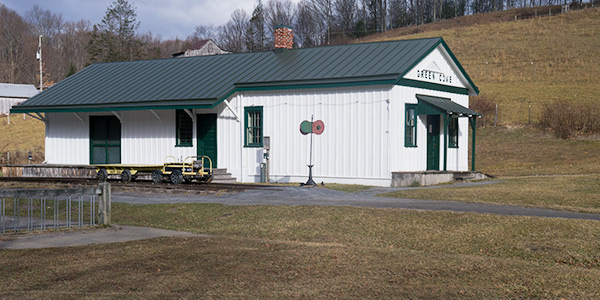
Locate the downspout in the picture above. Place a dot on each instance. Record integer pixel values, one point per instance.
(239, 96)
(474, 128)
(446, 119)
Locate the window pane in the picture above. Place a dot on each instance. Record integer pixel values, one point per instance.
(184, 128)
(453, 133)
(253, 126)
(410, 128)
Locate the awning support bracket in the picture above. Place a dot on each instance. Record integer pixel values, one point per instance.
(189, 112)
(78, 117)
(154, 113)
(118, 116)
(232, 111)
(38, 116)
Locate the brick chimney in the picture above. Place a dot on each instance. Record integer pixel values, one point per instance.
(284, 37)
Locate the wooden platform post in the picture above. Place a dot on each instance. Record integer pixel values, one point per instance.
(104, 201)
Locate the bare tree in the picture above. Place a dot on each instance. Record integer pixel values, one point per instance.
(44, 22)
(306, 28)
(233, 34)
(324, 9)
(14, 32)
(345, 15)
(76, 38)
(205, 32)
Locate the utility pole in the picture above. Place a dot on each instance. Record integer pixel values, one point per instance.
(39, 57)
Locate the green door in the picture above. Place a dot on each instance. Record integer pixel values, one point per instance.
(105, 140)
(433, 142)
(207, 136)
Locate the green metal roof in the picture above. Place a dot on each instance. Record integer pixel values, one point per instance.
(204, 81)
(429, 105)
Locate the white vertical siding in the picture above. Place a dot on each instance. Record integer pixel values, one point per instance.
(67, 139)
(415, 159)
(147, 140)
(351, 149)
(363, 141)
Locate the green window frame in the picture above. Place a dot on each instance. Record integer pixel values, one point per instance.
(453, 133)
(184, 129)
(410, 125)
(253, 120)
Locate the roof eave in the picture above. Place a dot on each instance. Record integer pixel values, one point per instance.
(204, 103)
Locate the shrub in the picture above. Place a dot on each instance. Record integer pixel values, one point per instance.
(568, 118)
(485, 106)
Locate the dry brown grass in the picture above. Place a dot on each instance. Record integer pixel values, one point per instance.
(517, 63)
(526, 150)
(20, 137)
(577, 193)
(318, 252)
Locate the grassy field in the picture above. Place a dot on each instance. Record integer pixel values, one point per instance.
(20, 137)
(526, 150)
(318, 252)
(517, 63)
(578, 193)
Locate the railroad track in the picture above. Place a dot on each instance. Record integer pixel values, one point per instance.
(146, 185)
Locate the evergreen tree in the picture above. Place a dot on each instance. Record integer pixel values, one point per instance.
(256, 35)
(114, 38)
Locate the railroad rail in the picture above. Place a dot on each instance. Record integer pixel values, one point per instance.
(117, 184)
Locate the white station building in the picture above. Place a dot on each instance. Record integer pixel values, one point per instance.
(397, 107)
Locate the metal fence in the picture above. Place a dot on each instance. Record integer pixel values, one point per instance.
(26, 210)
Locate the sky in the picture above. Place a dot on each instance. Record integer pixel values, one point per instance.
(167, 18)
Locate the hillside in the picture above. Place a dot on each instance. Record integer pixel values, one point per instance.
(21, 136)
(527, 61)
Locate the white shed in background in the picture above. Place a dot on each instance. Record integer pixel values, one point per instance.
(13, 94)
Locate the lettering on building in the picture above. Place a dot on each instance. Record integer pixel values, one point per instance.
(434, 76)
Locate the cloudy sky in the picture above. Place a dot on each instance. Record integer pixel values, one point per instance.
(169, 18)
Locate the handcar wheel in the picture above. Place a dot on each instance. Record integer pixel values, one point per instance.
(157, 176)
(126, 176)
(102, 175)
(176, 177)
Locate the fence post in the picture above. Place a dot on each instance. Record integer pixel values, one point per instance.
(104, 200)
(496, 116)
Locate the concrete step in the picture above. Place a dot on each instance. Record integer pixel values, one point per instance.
(467, 176)
(221, 175)
(226, 180)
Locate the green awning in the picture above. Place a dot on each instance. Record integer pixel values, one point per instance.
(430, 105)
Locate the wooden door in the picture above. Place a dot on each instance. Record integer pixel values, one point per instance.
(207, 136)
(433, 142)
(105, 140)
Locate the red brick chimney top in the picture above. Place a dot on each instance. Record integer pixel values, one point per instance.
(284, 37)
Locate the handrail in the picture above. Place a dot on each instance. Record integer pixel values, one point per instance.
(196, 157)
(171, 156)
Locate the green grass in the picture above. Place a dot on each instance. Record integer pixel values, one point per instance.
(567, 192)
(318, 252)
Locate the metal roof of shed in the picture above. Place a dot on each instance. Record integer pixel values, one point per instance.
(204, 81)
(11, 90)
